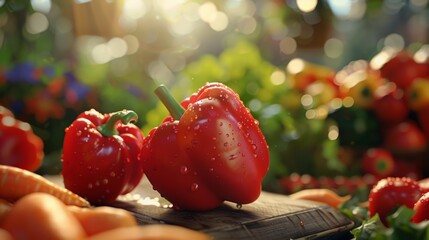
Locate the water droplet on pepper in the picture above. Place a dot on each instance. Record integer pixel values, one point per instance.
(183, 170)
(194, 187)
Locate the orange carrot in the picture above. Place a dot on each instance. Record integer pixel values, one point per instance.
(5, 207)
(16, 183)
(326, 196)
(5, 235)
(151, 232)
(100, 219)
(42, 216)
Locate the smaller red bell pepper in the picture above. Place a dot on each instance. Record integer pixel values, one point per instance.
(210, 152)
(101, 155)
(19, 146)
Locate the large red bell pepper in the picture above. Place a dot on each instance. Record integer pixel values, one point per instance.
(212, 151)
(101, 155)
(19, 146)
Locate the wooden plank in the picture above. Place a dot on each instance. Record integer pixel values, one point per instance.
(272, 216)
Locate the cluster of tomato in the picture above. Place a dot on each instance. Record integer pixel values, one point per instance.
(395, 90)
(381, 110)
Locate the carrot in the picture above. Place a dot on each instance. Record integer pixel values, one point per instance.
(326, 196)
(5, 207)
(5, 235)
(42, 216)
(100, 219)
(151, 232)
(16, 183)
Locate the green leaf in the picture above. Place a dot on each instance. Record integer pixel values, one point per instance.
(368, 228)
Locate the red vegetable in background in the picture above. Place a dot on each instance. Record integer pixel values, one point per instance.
(391, 107)
(405, 137)
(19, 146)
(101, 155)
(378, 162)
(211, 152)
(402, 69)
(390, 193)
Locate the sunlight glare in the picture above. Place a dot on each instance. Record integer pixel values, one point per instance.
(220, 22)
(207, 12)
(134, 9)
(306, 5)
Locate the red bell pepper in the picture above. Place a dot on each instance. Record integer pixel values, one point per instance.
(19, 146)
(212, 151)
(101, 155)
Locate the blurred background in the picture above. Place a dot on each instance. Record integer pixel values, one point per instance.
(308, 70)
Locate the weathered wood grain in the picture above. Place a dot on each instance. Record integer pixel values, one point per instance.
(272, 216)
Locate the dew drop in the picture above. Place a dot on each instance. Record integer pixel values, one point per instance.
(112, 174)
(197, 127)
(183, 170)
(194, 187)
(239, 206)
(225, 144)
(221, 124)
(232, 157)
(90, 186)
(79, 133)
(105, 181)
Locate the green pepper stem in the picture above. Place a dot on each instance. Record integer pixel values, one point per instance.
(175, 109)
(109, 128)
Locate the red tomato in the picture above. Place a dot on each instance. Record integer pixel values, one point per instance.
(402, 69)
(392, 192)
(378, 162)
(421, 208)
(405, 137)
(391, 108)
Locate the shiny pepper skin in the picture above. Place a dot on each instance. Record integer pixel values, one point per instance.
(213, 152)
(19, 146)
(101, 155)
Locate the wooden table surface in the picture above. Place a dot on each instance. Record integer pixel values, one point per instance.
(272, 216)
